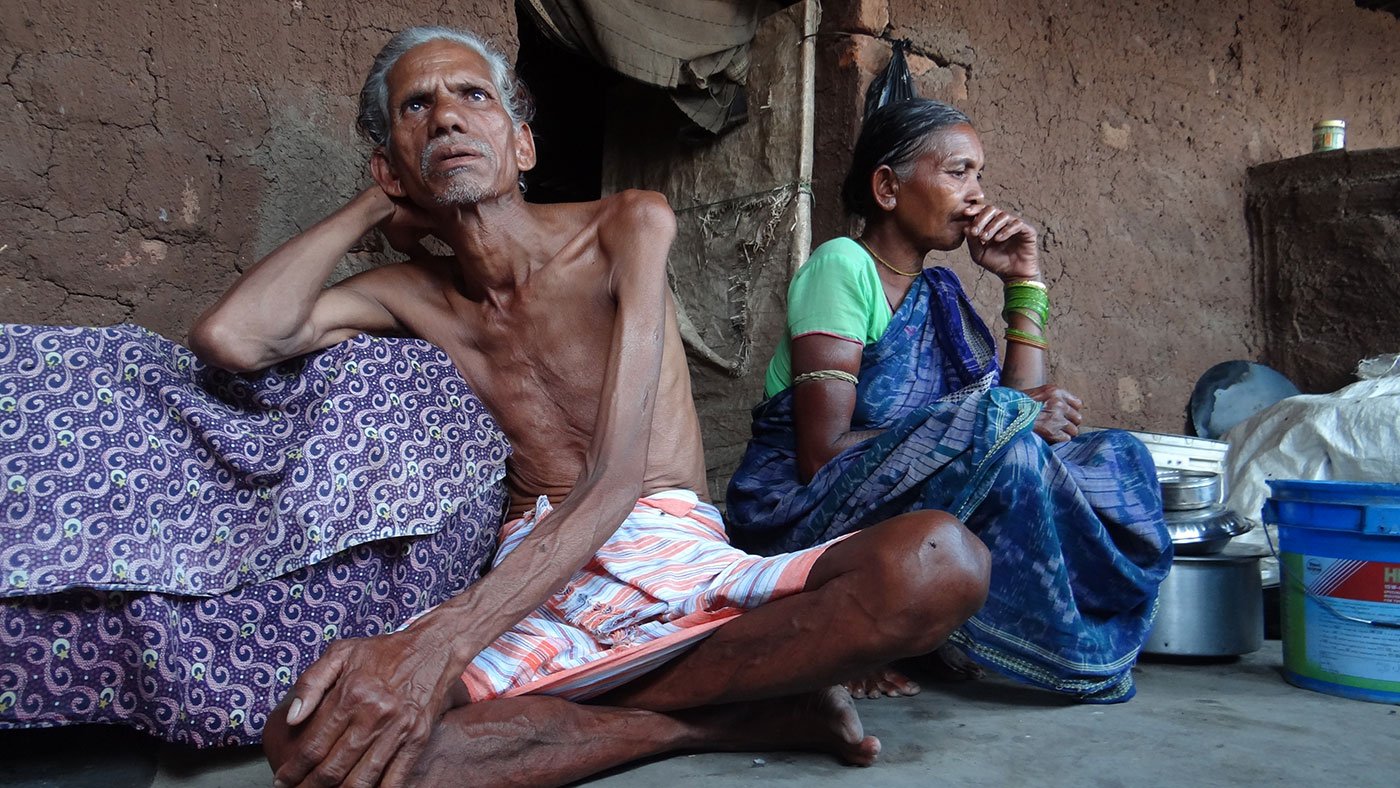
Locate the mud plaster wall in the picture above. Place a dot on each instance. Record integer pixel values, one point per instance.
(151, 151)
(1124, 131)
(1325, 230)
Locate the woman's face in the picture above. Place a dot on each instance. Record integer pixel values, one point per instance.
(930, 206)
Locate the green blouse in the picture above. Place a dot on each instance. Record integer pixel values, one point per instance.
(837, 292)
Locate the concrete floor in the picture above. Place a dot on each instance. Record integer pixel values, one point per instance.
(1225, 724)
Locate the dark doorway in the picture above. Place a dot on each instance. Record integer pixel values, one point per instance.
(570, 114)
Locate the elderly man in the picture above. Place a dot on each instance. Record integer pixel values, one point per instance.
(614, 582)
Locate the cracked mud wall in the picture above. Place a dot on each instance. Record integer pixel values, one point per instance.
(151, 151)
(1124, 131)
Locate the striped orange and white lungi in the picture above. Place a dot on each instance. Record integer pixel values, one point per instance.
(666, 579)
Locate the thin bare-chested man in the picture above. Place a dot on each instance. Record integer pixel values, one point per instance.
(559, 317)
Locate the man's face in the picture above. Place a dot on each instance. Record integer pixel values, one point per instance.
(451, 141)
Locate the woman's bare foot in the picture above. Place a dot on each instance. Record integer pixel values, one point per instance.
(947, 663)
(883, 683)
(950, 663)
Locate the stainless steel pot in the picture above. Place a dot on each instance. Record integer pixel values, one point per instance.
(1211, 605)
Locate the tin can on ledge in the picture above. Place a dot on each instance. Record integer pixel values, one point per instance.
(1329, 135)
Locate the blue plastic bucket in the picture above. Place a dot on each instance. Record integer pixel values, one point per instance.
(1339, 545)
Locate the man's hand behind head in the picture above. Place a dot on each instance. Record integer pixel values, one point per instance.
(406, 225)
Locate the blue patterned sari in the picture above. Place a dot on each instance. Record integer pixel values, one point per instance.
(1075, 530)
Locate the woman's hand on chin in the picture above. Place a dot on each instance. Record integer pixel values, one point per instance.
(1002, 243)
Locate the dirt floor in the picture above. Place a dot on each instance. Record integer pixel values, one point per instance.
(1224, 723)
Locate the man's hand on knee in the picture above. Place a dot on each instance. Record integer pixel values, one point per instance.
(363, 713)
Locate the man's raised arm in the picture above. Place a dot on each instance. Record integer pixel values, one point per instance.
(280, 309)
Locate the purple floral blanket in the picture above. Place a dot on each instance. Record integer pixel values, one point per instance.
(177, 543)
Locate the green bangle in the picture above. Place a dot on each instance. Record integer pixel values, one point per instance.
(1029, 314)
(1025, 289)
(1026, 338)
(1033, 302)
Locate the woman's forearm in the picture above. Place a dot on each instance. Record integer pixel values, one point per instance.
(1024, 367)
(1027, 316)
(811, 460)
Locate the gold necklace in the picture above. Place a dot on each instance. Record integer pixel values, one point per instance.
(881, 260)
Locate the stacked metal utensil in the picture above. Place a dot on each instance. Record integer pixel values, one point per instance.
(1210, 604)
(1199, 524)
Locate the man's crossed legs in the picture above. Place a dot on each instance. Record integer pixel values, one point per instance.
(764, 681)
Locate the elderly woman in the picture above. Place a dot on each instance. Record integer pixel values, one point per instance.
(886, 397)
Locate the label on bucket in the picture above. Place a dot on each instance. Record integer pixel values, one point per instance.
(1364, 589)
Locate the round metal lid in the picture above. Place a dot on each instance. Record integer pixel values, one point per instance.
(1205, 525)
(1182, 490)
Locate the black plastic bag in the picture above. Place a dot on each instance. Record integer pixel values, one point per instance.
(892, 84)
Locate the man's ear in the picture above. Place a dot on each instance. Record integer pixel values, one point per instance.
(384, 173)
(884, 187)
(525, 155)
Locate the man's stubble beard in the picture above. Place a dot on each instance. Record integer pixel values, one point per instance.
(461, 192)
(462, 188)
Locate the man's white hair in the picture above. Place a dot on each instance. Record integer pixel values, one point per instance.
(374, 119)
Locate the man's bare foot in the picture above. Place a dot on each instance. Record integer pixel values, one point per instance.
(883, 683)
(822, 721)
(950, 663)
(827, 720)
